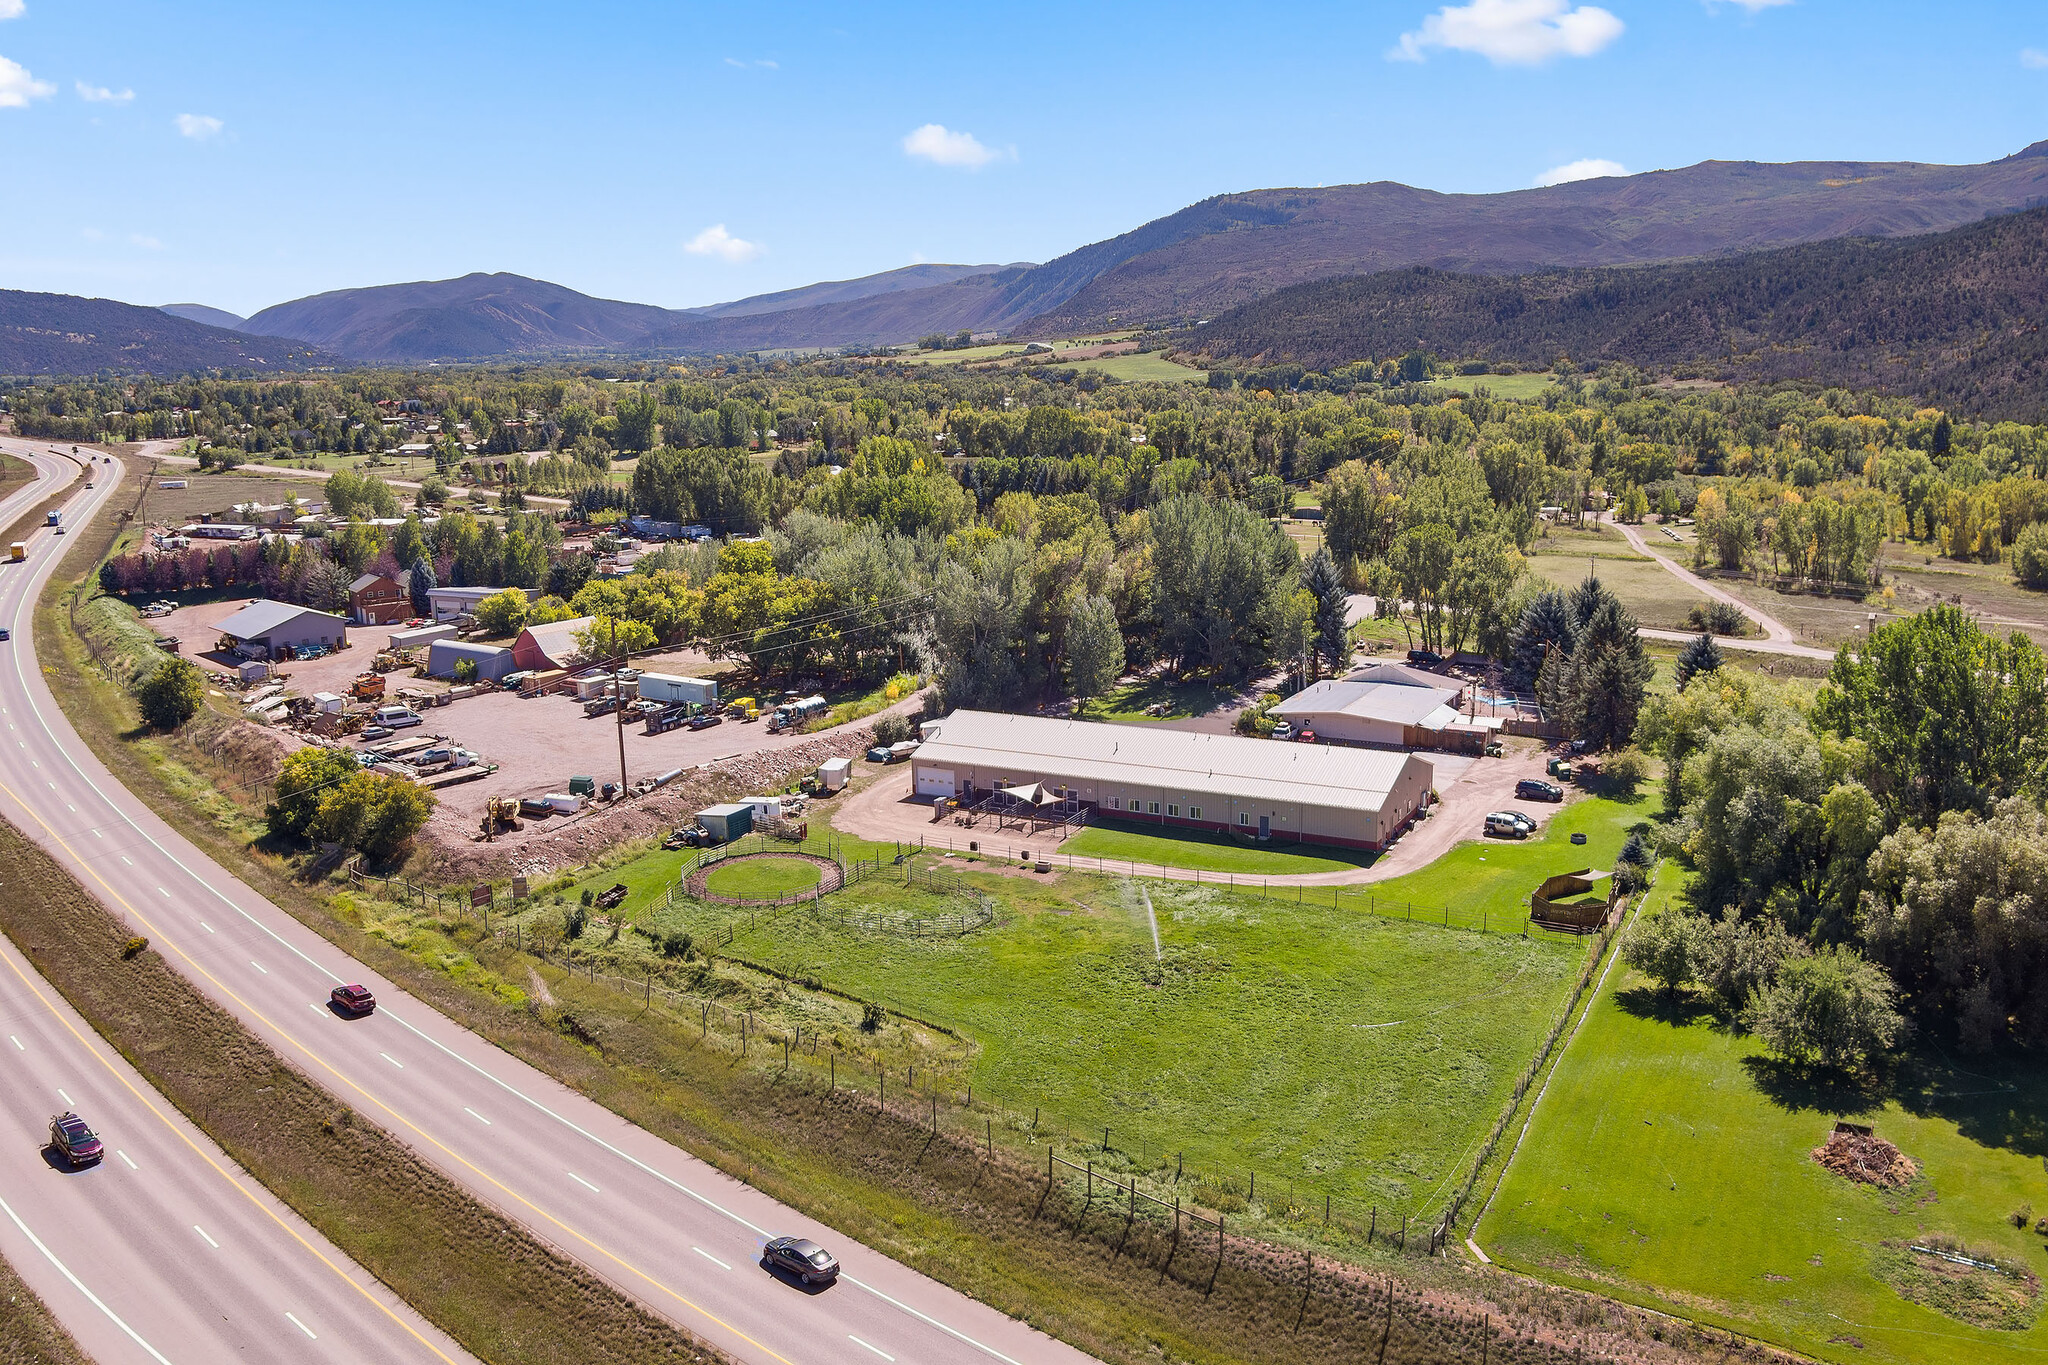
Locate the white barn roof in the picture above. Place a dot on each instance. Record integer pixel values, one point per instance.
(1393, 703)
(1145, 756)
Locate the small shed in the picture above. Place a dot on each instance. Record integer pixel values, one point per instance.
(728, 822)
(419, 636)
(493, 662)
(328, 701)
(833, 772)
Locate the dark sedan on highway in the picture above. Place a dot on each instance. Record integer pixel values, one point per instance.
(803, 1258)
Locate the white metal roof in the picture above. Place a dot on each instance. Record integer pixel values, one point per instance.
(1147, 756)
(1394, 703)
(265, 615)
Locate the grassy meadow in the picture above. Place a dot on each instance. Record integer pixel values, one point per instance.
(1669, 1164)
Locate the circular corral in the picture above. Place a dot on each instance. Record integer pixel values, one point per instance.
(825, 878)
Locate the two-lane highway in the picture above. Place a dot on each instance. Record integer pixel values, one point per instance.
(165, 1251)
(674, 1233)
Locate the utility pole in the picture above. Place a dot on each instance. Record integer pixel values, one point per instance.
(619, 705)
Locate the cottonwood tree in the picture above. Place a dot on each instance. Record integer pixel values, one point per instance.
(171, 694)
(1095, 649)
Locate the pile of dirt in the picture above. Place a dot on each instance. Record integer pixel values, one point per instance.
(1855, 1153)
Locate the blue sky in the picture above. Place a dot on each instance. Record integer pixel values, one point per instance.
(241, 154)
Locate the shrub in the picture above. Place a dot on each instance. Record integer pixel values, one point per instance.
(676, 945)
(171, 694)
(891, 729)
(589, 896)
(134, 948)
(465, 670)
(1718, 618)
(371, 812)
(1834, 1008)
(502, 613)
(575, 920)
(1626, 771)
(871, 1017)
(2030, 556)
(1666, 949)
(301, 782)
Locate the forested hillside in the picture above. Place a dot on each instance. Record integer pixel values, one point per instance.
(1952, 318)
(65, 335)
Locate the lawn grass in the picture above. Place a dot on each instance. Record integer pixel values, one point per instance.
(1521, 387)
(1499, 874)
(1121, 841)
(1656, 596)
(14, 473)
(1668, 1163)
(1183, 699)
(762, 878)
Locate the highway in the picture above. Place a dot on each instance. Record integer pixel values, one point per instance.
(671, 1231)
(165, 1251)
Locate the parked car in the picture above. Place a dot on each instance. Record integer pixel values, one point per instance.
(79, 1145)
(1424, 657)
(1507, 825)
(355, 1000)
(801, 1257)
(6, 634)
(1536, 789)
(706, 721)
(1307, 736)
(378, 732)
(1284, 730)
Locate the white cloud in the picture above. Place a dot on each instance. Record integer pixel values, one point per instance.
(12, 9)
(1512, 32)
(100, 94)
(17, 87)
(145, 241)
(2034, 59)
(763, 62)
(716, 241)
(199, 127)
(1590, 168)
(941, 146)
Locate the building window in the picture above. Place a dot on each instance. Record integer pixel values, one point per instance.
(1173, 810)
(1194, 812)
(1243, 819)
(1154, 810)
(1134, 803)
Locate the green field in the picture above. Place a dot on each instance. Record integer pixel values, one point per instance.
(1669, 1164)
(1359, 1055)
(1144, 365)
(1117, 841)
(1657, 597)
(762, 879)
(1190, 697)
(1517, 386)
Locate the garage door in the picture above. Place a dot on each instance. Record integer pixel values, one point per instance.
(935, 782)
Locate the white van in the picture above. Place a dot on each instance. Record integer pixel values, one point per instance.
(397, 717)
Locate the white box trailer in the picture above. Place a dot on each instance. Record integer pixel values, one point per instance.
(668, 689)
(833, 772)
(766, 808)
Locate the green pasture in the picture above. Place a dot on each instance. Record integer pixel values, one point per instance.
(1144, 365)
(1669, 1163)
(1521, 387)
(761, 878)
(1656, 596)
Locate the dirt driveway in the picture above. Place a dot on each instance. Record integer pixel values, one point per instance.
(1467, 788)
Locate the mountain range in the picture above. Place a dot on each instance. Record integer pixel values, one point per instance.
(1953, 317)
(1197, 263)
(62, 334)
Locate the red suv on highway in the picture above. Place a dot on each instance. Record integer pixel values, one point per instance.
(353, 999)
(74, 1141)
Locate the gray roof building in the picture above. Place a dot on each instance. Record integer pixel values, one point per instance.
(1381, 713)
(272, 625)
(1314, 792)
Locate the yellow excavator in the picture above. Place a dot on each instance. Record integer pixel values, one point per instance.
(501, 813)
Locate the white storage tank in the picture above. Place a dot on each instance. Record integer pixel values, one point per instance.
(833, 772)
(565, 803)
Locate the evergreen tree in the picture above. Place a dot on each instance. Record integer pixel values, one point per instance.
(1700, 655)
(1610, 673)
(1546, 626)
(419, 583)
(1333, 637)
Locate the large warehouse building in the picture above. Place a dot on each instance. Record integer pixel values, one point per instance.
(1319, 793)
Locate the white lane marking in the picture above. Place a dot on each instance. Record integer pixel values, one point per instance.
(303, 1328)
(709, 1257)
(124, 858)
(51, 785)
(17, 1043)
(584, 1183)
(478, 1117)
(127, 1158)
(259, 966)
(79, 1285)
(33, 764)
(161, 892)
(73, 809)
(209, 1241)
(207, 927)
(507, 1086)
(97, 835)
(66, 1098)
(393, 1060)
(876, 1349)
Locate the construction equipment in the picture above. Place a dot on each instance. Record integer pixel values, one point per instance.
(387, 661)
(367, 687)
(501, 813)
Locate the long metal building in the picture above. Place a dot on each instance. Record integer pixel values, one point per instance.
(1317, 793)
